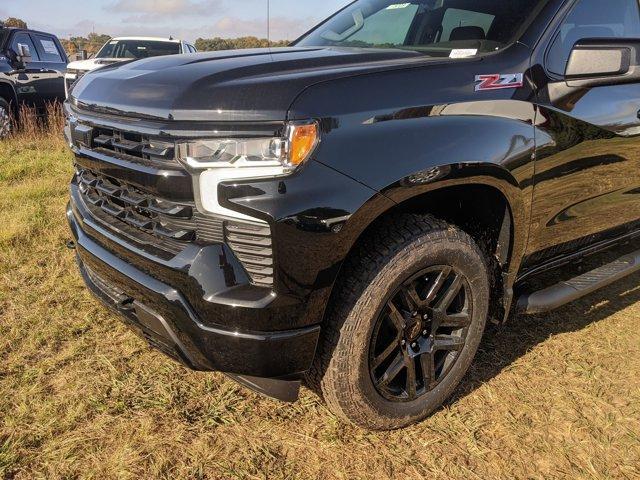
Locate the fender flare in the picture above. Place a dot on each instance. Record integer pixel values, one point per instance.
(14, 99)
(517, 196)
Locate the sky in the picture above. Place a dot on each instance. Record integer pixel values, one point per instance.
(184, 19)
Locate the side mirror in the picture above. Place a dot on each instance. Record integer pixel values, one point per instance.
(23, 55)
(595, 62)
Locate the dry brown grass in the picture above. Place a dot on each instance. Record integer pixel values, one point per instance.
(29, 125)
(554, 396)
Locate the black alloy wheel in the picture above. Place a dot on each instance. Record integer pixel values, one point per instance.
(419, 333)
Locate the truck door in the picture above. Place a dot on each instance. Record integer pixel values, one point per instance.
(587, 179)
(27, 81)
(53, 65)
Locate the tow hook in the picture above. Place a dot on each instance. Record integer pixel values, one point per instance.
(71, 245)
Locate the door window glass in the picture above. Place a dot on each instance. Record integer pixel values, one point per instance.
(593, 19)
(49, 51)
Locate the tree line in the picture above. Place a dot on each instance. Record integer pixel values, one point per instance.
(91, 43)
(94, 41)
(217, 43)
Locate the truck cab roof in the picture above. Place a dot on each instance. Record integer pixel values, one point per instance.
(150, 39)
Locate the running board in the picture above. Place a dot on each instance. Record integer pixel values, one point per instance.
(565, 292)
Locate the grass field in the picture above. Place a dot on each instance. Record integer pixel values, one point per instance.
(553, 396)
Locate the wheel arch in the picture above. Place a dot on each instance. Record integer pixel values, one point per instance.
(9, 94)
(484, 200)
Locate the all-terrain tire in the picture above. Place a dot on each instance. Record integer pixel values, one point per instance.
(383, 261)
(6, 120)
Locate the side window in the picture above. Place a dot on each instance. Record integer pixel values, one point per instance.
(389, 26)
(25, 39)
(593, 19)
(462, 24)
(48, 49)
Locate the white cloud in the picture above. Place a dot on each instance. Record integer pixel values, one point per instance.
(280, 27)
(188, 19)
(154, 9)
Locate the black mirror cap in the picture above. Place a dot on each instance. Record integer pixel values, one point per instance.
(599, 62)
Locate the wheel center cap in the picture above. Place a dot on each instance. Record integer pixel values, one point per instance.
(413, 330)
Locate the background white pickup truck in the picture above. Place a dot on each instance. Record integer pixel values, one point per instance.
(123, 49)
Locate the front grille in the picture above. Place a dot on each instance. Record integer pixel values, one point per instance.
(132, 146)
(157, 223)
(131, 211)
(252, 245)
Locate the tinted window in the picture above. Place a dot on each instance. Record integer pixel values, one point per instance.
(138, 49)
(49, 51)
(435, 27)
(25, 39)
(593, 19)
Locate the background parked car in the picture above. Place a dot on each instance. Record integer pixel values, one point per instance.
(125, 48)
(32, 66)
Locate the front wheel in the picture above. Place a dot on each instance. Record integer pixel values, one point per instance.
(5, 119)
(405, 323)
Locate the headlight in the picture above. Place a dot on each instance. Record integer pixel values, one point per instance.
(219, 160)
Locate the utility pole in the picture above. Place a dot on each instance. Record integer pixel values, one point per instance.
(269, 22)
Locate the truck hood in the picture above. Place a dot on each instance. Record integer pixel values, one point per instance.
(240, 85)
(92, 63)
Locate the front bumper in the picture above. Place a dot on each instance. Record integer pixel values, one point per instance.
(201, 302)
(270, 362)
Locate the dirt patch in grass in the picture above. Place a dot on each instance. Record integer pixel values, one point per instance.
(551, 396)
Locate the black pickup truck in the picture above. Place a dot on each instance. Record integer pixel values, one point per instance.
(32, 68)
(350, 211)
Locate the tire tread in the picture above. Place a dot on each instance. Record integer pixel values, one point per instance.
(332, 358)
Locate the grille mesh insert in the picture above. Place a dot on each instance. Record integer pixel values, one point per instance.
(172, 225)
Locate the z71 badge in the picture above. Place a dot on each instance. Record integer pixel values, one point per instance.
(498, 81)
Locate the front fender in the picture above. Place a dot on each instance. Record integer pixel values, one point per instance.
(407, 157)
(8, 91)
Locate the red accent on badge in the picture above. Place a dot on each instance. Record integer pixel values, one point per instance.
(499, 81)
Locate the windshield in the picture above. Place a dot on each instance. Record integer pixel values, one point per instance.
(456, 28)
(137, 49)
